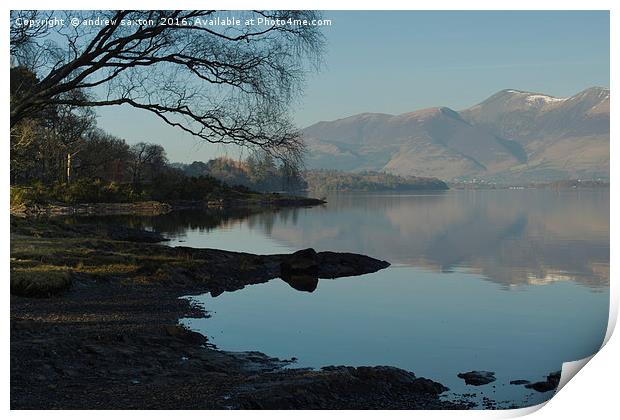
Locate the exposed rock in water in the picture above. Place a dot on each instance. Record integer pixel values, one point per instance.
(552, 382)
(344, 264)
(302, 269)
(477, 377)
(300, 263)
(519, 382)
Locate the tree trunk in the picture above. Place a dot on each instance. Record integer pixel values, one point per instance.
(68, 168)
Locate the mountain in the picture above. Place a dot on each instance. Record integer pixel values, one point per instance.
(511, 136)
(562, 137)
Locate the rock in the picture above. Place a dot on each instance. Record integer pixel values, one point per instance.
(344, 264)
(552, 382)
(477, 377)
(182, 333)
(341, 386)
(519, 382)
(302, 262)
(428, 386)
(94, 349)
(302, 269)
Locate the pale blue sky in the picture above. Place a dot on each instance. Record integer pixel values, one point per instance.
(396, 62)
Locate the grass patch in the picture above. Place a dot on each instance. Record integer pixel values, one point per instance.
(29, 266)
(42, 266)
(39, 282)
(46, 255)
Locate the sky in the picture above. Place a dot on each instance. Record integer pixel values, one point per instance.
(397, 62)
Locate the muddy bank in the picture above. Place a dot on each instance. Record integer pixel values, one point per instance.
(110, 339)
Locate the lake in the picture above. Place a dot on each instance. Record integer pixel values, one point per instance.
(510, 281)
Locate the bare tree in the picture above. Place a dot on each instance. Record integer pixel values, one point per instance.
(67, 129)
(146, 160)
(225, 83)
(50, 137)
(104, 156)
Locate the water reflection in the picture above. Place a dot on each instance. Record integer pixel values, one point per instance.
(302, 283)
(509, 237)
(174, 225)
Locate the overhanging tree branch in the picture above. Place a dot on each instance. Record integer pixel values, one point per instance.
(223, 84)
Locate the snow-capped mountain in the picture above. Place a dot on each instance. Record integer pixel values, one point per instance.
(512, 135)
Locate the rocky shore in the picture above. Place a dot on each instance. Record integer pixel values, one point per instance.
(94, 324)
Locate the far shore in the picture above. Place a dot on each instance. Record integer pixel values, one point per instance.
(258, 202)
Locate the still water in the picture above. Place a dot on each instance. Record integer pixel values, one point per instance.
(510, 281)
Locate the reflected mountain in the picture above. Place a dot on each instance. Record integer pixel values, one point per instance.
(510, 237)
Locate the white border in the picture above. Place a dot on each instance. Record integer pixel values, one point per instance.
(593, 394)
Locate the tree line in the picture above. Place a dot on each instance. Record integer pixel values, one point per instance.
(327, 180)
(58, 145)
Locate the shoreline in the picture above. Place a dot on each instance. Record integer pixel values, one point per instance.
(111, 338)
(252, 202)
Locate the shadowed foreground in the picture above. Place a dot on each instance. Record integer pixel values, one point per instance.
(106, 336)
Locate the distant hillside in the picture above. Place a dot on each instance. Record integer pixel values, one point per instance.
(263, 175)
(259, 173)
(330, 180)
(511, 136)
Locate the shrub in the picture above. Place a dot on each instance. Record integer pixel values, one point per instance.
(19, 196)
(171, 187)
(79, 191)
